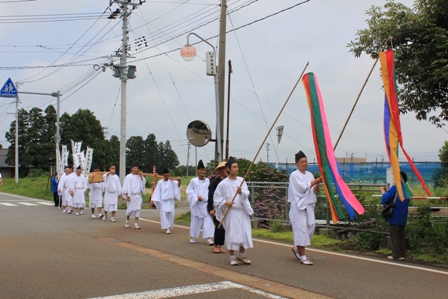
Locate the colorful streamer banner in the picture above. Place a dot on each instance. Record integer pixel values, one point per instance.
(392, 126)
(325, 154)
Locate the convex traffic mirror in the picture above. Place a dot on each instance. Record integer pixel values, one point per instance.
(199, 133)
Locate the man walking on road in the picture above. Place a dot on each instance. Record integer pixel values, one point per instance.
(133, 188)
(63, 190)
(219, 235)
(238, 234)
(112, 193)
(163, 197)
(197, 194)
(96, 195)
(302, 196)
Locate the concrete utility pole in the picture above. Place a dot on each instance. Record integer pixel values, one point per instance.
(221, 73)
(267, 153)
(16, 159)
(124, 72)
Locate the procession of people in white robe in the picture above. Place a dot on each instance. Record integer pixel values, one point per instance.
(231, 203)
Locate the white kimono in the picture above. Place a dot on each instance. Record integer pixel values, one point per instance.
(301, 213)
(96, 195)
(237, 222)
(64, 186)
(112, 189)
(79, 186)
(134, 186)
(199, 213)
(163, 198)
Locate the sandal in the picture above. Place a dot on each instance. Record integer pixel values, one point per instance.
(306, 262)
(244, 260)
(222, 250)
(216, 249)
(296, 254)
(233, 263)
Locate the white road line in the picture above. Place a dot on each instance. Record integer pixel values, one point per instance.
(398, 264)
(8, 204)
(190, 290)
(27, 204)
(45, 203)
(361, 258)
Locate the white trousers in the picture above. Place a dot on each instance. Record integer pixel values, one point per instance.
(208, 229)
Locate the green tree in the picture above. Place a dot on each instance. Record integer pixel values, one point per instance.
(84, 126)
(24, 141)
(442, 176)
(151, 153)
(167, 157)
(135, 152)
(113, 157)
(419, 39)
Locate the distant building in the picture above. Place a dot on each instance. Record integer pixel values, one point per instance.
(6, 169)
(351, 160)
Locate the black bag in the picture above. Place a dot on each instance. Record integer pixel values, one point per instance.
(387, 209)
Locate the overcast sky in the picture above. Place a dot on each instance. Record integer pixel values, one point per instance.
(168, 93)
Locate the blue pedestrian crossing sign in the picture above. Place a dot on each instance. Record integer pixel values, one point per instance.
(8, 90)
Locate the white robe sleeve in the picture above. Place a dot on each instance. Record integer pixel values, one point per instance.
(245, 199)
(192, 197)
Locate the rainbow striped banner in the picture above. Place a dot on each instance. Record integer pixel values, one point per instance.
(325, 154)
(392, 127)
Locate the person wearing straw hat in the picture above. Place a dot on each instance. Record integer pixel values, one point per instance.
(197, 195)
(232, 198)
(219, 235)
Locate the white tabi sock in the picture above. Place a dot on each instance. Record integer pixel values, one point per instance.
(232, 257)
(241, 255)
(303, 257)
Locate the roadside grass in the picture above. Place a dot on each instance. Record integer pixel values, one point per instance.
(35, 187)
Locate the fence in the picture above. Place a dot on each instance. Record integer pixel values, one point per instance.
(372, 172)
(269, 202)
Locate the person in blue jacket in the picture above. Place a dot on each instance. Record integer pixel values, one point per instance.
(398, 220)
(54, 183)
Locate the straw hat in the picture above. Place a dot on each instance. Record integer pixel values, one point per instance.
(220, 165)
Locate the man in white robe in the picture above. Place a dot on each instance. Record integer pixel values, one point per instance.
(78, 190)
(238, 235)
(302, 190)
(197, 195)
(133, 188)
(163, 197)
(63, 190)
(112, 193)
(96, 195)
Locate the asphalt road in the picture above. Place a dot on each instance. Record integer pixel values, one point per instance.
(47, 254)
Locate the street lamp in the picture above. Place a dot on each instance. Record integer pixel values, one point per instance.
(188, 52)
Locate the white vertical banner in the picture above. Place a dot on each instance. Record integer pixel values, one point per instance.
(78, 161)
(76, 146)
(89, 157)
(59, 166)
(64, 157)
(73, 148)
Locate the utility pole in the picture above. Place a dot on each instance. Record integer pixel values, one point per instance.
(188, 155)
(221, 73)
(124, 72)
(267, 153)
(16, 159)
